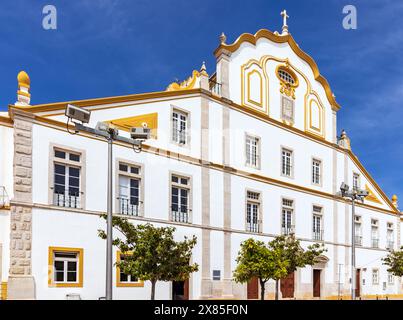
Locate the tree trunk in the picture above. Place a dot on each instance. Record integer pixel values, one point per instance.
(262, 289)
(276, 293)
(153, 282)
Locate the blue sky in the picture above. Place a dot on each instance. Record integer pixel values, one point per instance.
(117, 47)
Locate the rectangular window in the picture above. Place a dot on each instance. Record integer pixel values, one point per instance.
(287, 227)
(252, 151)
(286, 162)
(316, 171)
(252, 211)
(317, 223)
(287, 109)
(123, 279)
(375, 276)
(217, 275)
(356, 181)
(67, 267)
(66, 179)
(358, 231)
(390, 236)
(180, 198)
(179, 127)
(391, 278)
(129, 189)
(374, 234)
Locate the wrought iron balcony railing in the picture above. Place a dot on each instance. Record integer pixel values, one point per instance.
(180, 214)
(128, 207)
(288, 230)
(358, 240)
(215, 87)
(317, 235)
(67, 199)
(252, 227)
(389, 244)
(375, 243)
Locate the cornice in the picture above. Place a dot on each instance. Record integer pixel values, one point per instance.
(49, 107)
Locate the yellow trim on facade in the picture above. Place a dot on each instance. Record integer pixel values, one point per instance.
(264, 33)
(371, 196)
(125, 284)
(3, 291)
(80, 252)
(48, 107)
(185, 85)
(150, 119)
(263, 106)
(260, 102)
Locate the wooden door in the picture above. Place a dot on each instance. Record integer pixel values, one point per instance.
(287, 286)
(180, 290)
(253, 289)
(357, 283)
(316, 283)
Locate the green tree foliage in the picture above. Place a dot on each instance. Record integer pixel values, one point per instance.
(394, 260)
(255, 260)
(276, 260)
(152, 253)
(289, 249)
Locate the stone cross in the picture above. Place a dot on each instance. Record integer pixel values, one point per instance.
(285, 26)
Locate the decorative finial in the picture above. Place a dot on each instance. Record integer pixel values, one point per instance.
(394, 201)
(203, 69)
(344, 140)
(223, 38)
(24, 84)
(285, 26)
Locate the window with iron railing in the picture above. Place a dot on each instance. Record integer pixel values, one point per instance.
(129, 189)
(252, 211)
(389, 236)
(66, 178)
(317, 232)
(287, 227)
(358, 240)
(180, 199)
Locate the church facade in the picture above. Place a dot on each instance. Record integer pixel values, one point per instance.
(249, 151)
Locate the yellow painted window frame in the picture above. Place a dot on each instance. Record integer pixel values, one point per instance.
(125, 284)
(80, 282)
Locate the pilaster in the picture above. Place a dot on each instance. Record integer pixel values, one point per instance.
(21, 282)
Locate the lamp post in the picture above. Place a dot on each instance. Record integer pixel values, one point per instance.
(138, 135)
(353, 195)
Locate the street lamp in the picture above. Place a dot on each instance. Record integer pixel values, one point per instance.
(353, 195)
(102, 129)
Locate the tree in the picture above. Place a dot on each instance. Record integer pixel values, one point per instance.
(288, 249)
(256, 260)
(394, 260)
(152, 252)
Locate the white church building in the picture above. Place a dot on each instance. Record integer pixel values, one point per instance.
(251, 150)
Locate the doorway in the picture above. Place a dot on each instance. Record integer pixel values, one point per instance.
(358, 283)
(316, 283)
(253, 289)
(287, 286)
(180, 290)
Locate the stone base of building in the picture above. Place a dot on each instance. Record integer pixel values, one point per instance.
(21, 288)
